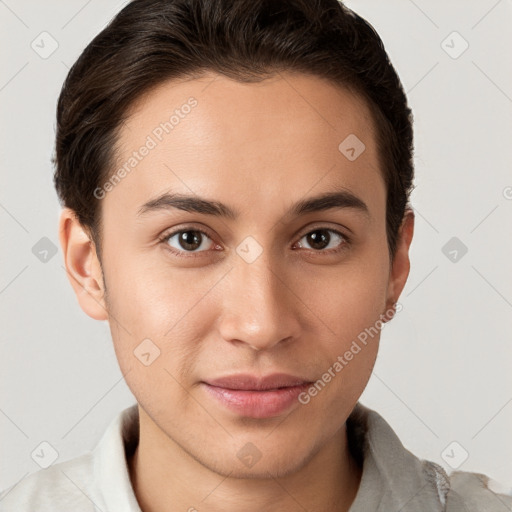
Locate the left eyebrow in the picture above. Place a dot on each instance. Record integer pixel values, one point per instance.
(342, 199)
(192, 203)
(188, 203)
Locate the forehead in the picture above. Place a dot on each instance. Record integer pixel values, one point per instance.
(217, 137)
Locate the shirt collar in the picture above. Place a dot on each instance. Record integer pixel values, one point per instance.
(111, 462)
(392, 477)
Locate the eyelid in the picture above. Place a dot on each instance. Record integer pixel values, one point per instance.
(179, 229)
(187, 254)
(345, 243)
(315, 227)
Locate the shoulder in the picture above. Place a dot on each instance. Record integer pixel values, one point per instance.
(399, 476)
(464, 491)
(475, 492)
(96, 480)
(61, 487)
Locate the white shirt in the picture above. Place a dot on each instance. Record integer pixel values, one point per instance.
(392, 479)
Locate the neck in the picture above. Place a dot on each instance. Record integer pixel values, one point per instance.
(165, 478)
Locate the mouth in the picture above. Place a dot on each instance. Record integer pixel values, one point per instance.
(257, 397)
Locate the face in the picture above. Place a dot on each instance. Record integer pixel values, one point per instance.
(249, 276)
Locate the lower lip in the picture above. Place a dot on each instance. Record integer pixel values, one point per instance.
(257, 404)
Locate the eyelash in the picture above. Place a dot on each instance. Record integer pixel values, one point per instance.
(183, 254)
(187, 254)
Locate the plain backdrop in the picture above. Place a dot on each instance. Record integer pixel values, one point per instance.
(443, 377)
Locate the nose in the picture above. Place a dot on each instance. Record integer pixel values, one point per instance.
(259, 308)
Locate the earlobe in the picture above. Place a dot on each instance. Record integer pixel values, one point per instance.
(82, 265)
(400, 265)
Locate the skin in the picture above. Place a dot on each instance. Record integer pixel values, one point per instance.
(258, 148)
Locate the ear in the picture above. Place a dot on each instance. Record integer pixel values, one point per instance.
(400, 264)
(82, 265)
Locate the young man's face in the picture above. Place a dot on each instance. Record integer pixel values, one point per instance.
(267, 290)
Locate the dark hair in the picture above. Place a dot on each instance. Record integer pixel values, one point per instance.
(151, 41)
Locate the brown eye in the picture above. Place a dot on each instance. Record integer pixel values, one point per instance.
(189, 241)
(322, 238)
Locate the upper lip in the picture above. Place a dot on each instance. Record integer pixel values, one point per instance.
(257, 383)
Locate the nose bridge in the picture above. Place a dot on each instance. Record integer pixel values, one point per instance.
(258, 309)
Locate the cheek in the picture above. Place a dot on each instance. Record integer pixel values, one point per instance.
(169, 308)
(151, 297)
(350, 305)
(350, 300)
(152, 322)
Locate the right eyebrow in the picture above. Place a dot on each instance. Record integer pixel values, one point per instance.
(188, 203)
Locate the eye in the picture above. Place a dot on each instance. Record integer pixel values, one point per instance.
(324, 240)
(188, 240)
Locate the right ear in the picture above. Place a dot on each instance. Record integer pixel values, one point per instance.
(82, 265)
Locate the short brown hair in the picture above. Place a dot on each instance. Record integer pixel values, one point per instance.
(151, 41)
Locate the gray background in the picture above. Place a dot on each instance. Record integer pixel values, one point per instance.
(443, 372)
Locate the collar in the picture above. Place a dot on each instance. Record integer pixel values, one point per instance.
(111, 471)
(392, 477)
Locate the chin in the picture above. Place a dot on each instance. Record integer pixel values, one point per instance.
(258, 459)
(263, 469)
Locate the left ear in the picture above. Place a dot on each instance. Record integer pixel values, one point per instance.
(400, 264)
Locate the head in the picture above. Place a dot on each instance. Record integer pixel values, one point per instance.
(235, 177)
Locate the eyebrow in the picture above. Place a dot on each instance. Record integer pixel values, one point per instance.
(192, 203)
